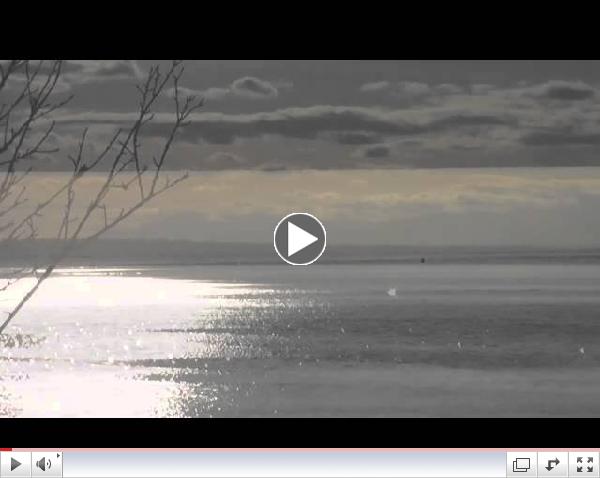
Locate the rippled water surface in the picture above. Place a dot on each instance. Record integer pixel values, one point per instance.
(342, 340)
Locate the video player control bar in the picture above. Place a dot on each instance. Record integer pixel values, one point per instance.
(297, 463)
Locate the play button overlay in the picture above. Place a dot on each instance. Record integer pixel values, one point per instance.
(14, 464)
(300, 239)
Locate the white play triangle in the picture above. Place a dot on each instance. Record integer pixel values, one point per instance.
(298, 239)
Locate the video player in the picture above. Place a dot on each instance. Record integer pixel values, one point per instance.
(300, 238)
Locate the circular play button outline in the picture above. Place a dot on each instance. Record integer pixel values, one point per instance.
(286, 220)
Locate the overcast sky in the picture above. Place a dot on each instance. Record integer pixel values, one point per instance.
(398, 152)
(361, 114)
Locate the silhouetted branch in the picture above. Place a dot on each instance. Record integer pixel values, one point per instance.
(127, 166)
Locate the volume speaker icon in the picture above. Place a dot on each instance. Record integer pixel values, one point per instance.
(43, 463)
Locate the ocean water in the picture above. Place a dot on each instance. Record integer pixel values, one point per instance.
(322, 340)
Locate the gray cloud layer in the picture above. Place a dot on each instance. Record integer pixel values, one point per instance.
(247, 87)
(383, 123)
(352, 125)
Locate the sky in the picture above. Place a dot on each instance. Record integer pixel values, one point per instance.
(384, 152)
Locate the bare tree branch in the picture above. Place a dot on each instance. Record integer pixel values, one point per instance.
(30, 107)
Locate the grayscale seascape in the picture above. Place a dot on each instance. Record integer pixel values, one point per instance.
(304, 238)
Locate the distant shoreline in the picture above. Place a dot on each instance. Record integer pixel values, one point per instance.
(126, 253)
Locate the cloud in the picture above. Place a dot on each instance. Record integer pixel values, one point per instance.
(355, 137)
(430, 123)
(16, 83)
(247, 87)
(447, 125)
(208, 94)
(442, 138)
(376, 151)
(560, 138)
(561, 90)
(88, 71)
(375, 86)
(412, 90)
(77, 72)
(346, 124)
(223, 160)
(448, 89)
(553, 90)
(306, 123)
(458, 120)
(481, 88)
(250, 87)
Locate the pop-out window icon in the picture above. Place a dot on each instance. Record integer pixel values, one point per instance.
(521, 465)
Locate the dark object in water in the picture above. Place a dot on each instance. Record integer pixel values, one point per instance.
(422, 260)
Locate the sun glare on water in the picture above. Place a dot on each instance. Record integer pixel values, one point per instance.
(75, 348)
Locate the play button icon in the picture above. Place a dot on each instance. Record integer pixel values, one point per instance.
(15, 464)
(300, 239)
